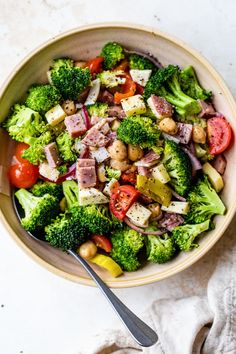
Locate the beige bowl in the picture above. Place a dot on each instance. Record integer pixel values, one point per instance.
(85, 43)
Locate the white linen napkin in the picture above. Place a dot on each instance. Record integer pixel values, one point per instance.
(193, 325)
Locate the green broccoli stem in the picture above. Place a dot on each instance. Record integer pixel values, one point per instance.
(71, 193)
(26, 200)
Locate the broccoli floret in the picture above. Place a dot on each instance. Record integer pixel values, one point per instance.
(185, 235)
(66, 231)
(191, 86)
(71, 193)
(140, 63)
(139, 130)
(65, 146)
(112, 54)
(126, 245)
(111, 173)
(24, 123)
(98, 110)
(41, 188)
(35, 153)
(111, 78)
(97, 219)
(204, 202)
(165, 83)
(39, 211)
(160, 249)
(68, 79)
(178, 166)
(42, 97)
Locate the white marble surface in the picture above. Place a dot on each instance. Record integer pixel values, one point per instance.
(40, 312)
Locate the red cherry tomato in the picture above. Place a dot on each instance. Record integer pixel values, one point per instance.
(127, 90)
(219, 134)
(121, 200)
(129, 177)
(20, 148)
(23, 175)
(102, 242)
(95, 65)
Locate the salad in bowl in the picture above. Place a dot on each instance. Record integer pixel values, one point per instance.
(119, 158)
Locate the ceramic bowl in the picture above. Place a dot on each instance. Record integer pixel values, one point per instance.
(85, 43)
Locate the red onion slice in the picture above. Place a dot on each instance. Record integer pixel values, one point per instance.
(171, 137)
(196, 165)
(70, 174)
(177, 196)
(86, 117)
(141, 231)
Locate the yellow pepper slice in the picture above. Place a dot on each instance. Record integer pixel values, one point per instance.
(108, 263)
(153, 188)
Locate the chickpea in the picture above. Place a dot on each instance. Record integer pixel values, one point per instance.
(80, 64)
(69, 107)
(155, 210)
(120, 165)
(135, 153)
(87, 250)
(118, 150)
(133, 168)
(168, 125)
(199, 134)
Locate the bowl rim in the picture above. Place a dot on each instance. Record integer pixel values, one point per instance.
(148, 279)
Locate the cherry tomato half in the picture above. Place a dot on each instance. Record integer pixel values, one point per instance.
(95, 65)
(121, 200)
(20, 148)
(102, 242)
(219, 134)
(23, 175)
(127, 90)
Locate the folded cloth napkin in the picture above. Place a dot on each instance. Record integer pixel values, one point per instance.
(193, 325)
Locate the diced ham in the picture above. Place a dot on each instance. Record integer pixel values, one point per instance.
(106, 97)
(207, 109)
(160, 107)
(85, 163)
(170, 221)
(95, 138)
(220, 163)
(184, 132)
(52, 155)
(86, 177)
(75, 125)
(105, 129)
(112, 136)
(116, 111)
(149, 160)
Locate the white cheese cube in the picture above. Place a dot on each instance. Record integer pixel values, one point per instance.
(55, 115)
(133, 105)
(177, 207)
(138, 215)
(100, 154)
(113, 183)
(140, 76)
(159, 172)
(214, 176)
(89, 196)
(48, 172)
